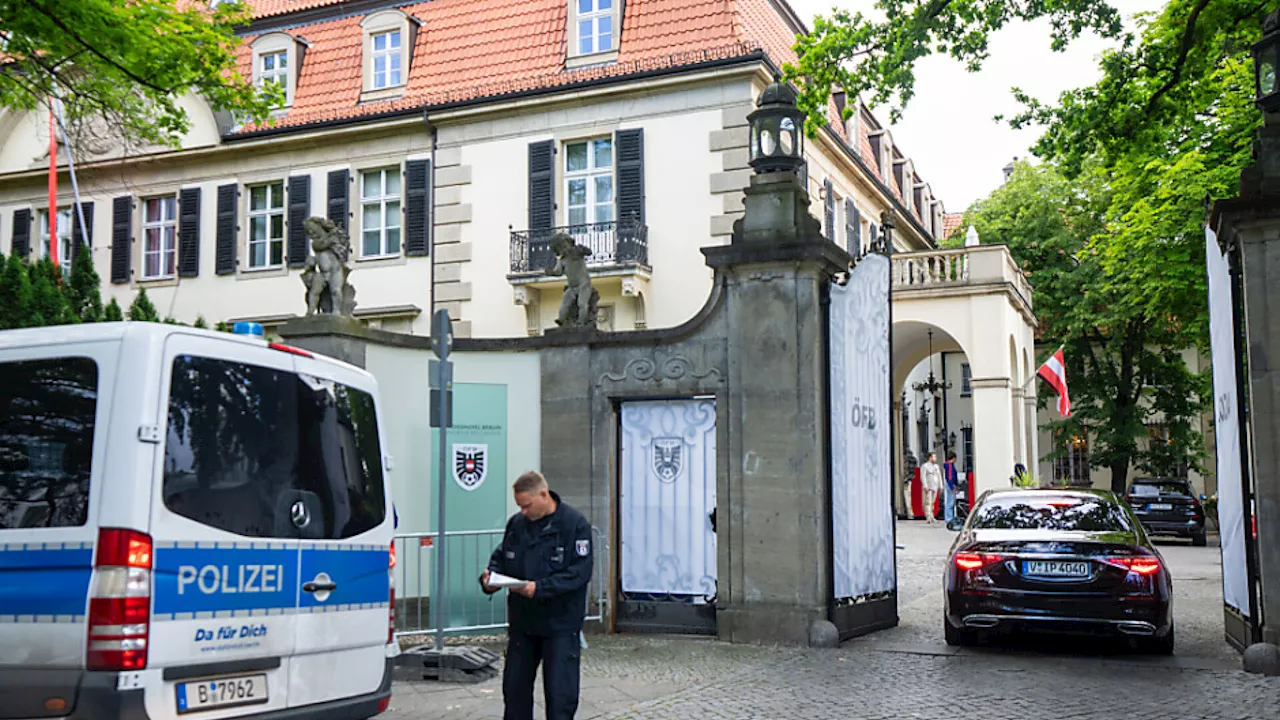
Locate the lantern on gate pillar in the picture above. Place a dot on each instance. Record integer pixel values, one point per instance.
(777, 131)
(1266, 58)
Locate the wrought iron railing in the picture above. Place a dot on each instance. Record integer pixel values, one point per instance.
(622, 242)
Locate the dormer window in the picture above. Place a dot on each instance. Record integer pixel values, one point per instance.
(389, 37)
(276, 59)
(593, 31)
(386, 60)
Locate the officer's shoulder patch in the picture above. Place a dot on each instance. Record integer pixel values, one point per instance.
(583, 547)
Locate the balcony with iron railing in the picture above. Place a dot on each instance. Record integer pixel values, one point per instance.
(615, 246)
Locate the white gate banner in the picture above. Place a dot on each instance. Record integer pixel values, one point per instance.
(861, 469)
(1235, 571)
(668, 491)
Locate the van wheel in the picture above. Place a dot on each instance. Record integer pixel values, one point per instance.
(1199, 539)
(963, 637)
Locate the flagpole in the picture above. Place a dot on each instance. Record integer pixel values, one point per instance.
(75, 186)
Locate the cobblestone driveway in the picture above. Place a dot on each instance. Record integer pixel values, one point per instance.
(906, 672)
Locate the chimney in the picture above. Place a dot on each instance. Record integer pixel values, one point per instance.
(1008, 169)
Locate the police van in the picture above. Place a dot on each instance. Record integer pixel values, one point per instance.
(192, 524)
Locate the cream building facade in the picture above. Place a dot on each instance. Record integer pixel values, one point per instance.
(452, 141)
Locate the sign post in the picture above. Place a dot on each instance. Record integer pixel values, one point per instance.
(441, 383)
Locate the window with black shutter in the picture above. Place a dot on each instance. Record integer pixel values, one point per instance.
(121, 239)
(339, 192)
(226, 229)
(21, 244)
(852, 228)
(630, 147)
(189, 232)
(542, 196)
(830, 210)
(81, 236)
(299, 210)
(804, 175)
(873, 234)
(417, 212)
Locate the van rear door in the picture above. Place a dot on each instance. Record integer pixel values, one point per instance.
(54, 406)
(343, 612)
(226, 548)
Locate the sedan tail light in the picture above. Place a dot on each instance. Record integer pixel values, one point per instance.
(1140, 565)
(976, 561)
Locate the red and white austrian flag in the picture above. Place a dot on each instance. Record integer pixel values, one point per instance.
(1054, 372)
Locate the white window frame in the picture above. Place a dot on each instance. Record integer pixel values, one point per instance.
(275, 44)
(589, 174)
(275, 188)
(166, 229)
(381, 201)
(381, 24)
(387, 54)
(64, 237)
(594, 16)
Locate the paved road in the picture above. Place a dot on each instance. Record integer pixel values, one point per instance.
(907, 671)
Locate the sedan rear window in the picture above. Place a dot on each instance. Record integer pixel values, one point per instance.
(1051, 512)
(1158, 488)
(47, 410)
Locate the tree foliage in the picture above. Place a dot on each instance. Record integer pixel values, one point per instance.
(142, 309)
(125, 65)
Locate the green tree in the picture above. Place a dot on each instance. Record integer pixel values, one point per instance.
(49, 304)
(83, 289)
(112, 313)
(15, 294)
(1145, 81)
(142, 309)
(125, 65)
(201, 323)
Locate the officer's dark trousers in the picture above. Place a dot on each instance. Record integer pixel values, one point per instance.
(560, 656)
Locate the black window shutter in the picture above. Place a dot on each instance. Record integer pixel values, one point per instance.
(542, 196)
(803, 172)
(80, 241)
(830, 209)
(852, 227)
(339, 189)
(121, 238)
(226, 230)
(21, 245)
(417, 211)
(874, 234)
(189, 232)
(299, 209)
(630, 154)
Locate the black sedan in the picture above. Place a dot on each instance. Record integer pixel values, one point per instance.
(1072, 561)
(1168, 507)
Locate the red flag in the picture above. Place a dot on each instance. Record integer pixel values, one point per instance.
(1054, 372)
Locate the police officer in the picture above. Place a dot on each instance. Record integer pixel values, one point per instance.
(548, 544)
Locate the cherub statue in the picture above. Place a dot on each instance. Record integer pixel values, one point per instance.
(579, 306)
(325, 274)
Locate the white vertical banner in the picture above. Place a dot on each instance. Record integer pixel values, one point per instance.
(861, 469)
(668, 491)
(1235, 569)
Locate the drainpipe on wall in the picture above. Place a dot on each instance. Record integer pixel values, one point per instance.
(431, 216)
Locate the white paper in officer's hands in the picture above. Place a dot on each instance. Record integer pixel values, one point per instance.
(499, 580)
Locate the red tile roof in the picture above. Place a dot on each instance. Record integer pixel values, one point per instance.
(950, 223)
(472, 49)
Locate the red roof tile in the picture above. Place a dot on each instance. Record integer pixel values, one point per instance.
(950, 223)
(270, 8)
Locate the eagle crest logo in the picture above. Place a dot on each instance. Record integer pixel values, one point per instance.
(668, 458)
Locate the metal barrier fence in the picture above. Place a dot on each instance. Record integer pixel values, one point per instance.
(467, 608)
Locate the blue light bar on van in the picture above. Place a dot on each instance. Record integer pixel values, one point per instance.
(248, 328)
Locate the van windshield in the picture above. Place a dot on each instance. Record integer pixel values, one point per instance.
(47, 410)
(263, 452)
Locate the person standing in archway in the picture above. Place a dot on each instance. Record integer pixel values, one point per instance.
(952, 480)
(931, 480)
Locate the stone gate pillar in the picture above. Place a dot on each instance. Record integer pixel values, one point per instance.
(775, 539)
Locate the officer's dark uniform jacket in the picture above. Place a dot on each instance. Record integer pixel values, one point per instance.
(556, 553)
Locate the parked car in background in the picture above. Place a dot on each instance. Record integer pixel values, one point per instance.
(1071, 561)
(1168, 507)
